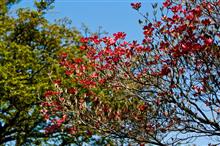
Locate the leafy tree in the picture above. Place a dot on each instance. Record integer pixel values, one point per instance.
(5, 5)
(29, 48)
(163, 91)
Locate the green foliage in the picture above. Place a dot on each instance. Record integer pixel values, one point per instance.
(29, 48)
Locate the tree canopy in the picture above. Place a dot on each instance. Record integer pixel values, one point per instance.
(162, 91)
(59, 88)
(29, 52)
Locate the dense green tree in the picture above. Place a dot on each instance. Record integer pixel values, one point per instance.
(29, 48)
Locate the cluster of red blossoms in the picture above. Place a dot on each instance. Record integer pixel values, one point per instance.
(136, 6)
(175, 63)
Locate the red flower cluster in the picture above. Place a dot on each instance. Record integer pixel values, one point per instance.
(136, 6)
(175, 63)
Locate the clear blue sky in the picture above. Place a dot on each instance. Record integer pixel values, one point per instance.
(112, 15)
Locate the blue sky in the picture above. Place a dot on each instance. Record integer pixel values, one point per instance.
(112, 15)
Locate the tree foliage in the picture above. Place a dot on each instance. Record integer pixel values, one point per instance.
(163, 91)
(29, 48)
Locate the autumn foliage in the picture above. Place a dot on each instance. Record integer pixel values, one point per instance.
(164, 90)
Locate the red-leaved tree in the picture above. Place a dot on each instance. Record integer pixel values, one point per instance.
(164, 90)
